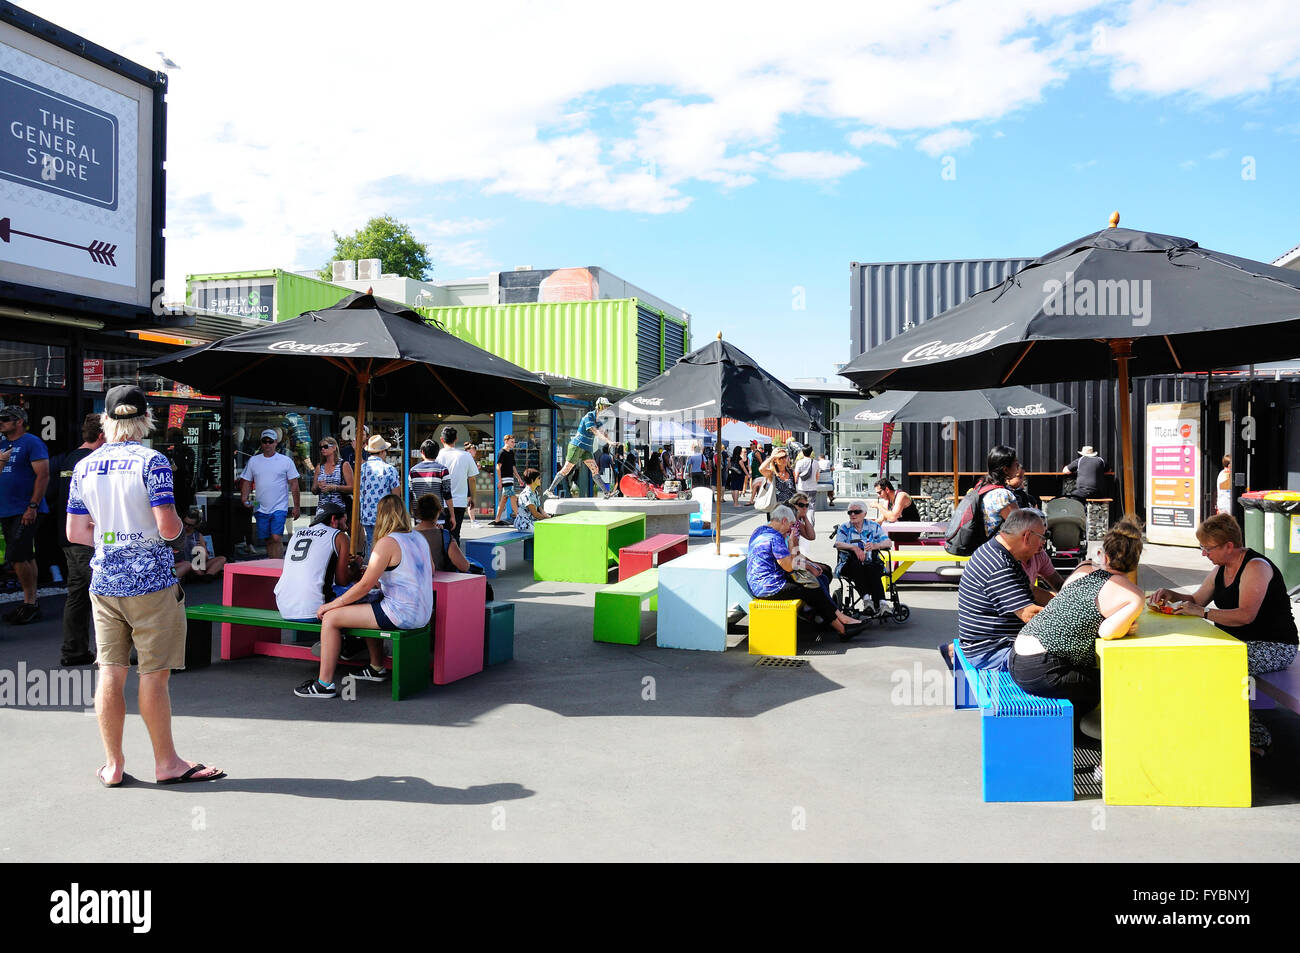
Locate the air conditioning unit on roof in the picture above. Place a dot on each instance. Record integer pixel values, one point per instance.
(344, 270)
(368, 269)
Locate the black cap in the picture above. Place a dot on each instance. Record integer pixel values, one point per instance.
(123, 396)
(327, 511)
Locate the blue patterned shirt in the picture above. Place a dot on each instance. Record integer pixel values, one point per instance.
(378, 479)
(764, 574)
(871, 532)
(118, 486)
(584, 437)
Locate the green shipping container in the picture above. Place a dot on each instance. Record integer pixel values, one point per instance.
(244, 293)
(605, 341)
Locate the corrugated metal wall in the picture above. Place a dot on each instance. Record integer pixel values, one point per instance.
(590, 340)
(677, 342)
(661, 342)
(295, 294)
(886, 298)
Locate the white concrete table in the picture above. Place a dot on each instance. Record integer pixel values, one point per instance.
(661, 516)
(696, 593)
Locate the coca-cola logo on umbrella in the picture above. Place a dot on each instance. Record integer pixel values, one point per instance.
(342, 347)
(1029, 410)
(934, 350)
(871, 415)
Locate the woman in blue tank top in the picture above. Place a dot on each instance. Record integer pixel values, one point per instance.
(402, 566)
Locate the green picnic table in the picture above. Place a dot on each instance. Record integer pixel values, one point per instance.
(582, 547)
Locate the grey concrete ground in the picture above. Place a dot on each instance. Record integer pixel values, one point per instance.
(584, 751)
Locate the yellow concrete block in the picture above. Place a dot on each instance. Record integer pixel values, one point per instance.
(772, 626)
(1175, 718)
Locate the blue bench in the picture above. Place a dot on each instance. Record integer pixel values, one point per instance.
(1028, 741)
(483, 549)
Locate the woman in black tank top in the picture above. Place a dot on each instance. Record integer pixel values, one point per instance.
(1249, 603)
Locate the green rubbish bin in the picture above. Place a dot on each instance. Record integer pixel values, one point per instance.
(1281, 513)
(1254, 523)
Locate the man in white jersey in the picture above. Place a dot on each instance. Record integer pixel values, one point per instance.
(121, 502)
(318, 567)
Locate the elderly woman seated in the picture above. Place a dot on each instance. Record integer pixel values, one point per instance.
(769, 566)
(1249, 603)
(1054, 656)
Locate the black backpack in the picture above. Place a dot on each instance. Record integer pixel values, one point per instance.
(965, 532)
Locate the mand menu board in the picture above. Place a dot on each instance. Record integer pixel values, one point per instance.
(1173, 490)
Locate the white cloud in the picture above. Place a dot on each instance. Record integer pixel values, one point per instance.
(1080, 166)
(1187, 165)
(999, 134)
(391, 106)
(1207, 48)
(1218, 154)
(871, 137)
(944, 141)
(813, 165)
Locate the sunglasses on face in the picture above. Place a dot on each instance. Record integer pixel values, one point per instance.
(268, 440)
(856, 512)
(7, 419)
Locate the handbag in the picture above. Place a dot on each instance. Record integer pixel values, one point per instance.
(805, 578)
(765, 501)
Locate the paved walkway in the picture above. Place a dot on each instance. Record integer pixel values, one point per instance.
(581, 751)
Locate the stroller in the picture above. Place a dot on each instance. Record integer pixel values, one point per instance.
(1067, 528)
(848, 598)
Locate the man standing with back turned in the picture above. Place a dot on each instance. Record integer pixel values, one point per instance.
(121, 502)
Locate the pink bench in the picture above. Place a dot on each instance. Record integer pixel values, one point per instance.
(639, 557)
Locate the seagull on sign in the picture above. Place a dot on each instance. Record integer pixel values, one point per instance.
(165, 60)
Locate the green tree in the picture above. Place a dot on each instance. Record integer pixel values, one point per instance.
(388, 240)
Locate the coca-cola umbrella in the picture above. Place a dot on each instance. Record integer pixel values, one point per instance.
(722, 382)
(993, 403)
(1117, 301)
(362, 350)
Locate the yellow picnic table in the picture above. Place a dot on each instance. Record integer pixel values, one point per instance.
(905, 557)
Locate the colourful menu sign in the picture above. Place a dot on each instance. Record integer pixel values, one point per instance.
(1173, 453)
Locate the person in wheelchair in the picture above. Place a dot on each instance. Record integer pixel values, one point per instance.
(858, 542)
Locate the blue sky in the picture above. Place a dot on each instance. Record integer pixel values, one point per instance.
(721, 156)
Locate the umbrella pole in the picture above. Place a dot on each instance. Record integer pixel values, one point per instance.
(363, 381)
(956, 494)
(717, 513)
(1123, 350)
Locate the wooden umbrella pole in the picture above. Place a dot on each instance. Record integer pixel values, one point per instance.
(956, 493)
(1123, 350)
(363, 381)
(717, 513)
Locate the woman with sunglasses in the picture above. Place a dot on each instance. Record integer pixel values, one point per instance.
(803, 529)
(333, 475)
(777, 469)
(858, 541)
(1249, 603)
(997, 499)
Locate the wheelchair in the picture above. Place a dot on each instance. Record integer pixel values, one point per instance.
(848, 598)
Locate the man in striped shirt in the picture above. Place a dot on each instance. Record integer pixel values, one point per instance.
(994, 599)
(430, 476)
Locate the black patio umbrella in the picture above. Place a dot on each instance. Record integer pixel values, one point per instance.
(994, 403)
(1117, 301)
(362, 350)
(723, 382)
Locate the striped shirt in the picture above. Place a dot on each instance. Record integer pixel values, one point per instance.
(430, 476)
(993, 588)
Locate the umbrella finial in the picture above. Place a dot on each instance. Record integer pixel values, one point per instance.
(719, 335)
(1114, 219)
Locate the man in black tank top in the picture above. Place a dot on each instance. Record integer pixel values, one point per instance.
(901, 509)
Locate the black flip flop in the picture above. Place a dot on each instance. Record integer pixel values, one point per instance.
(99, 776)
(189, 778)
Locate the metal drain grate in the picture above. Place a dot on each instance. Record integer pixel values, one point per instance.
(780, 663)
(820, 652)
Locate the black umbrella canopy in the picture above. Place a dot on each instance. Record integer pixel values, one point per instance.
(1183, 308)
(322, 357)
(994, 403)
(721, 381)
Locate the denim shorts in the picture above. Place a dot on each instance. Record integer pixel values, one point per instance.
(381, 619)
(507, 489)
(270, 524)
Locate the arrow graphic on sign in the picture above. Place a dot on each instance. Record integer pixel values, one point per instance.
(102, 252)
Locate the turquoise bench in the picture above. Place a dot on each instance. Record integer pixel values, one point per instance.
(1027, 742)
(617, 616)
(498, 632)
(483, 549)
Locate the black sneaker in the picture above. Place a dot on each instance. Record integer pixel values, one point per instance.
(312, 688)
(353, 648)
(25, 613)
(370, 674)
(85, 658)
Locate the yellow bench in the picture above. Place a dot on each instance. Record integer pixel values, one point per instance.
(773, 626)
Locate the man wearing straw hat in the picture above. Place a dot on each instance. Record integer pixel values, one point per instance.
(377, 479)
(1091, 470)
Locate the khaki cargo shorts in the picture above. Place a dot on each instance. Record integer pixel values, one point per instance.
(154, 623)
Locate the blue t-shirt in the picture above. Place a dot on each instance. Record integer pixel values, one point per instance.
(871, 532)
(765, 576)
(118, 486)
(18, 479)
(584, 437)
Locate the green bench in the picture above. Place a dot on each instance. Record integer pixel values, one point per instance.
(618, 608)
(410, 661)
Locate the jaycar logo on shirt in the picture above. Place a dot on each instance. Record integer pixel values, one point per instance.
(935, 350)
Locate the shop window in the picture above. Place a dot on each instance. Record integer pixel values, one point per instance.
(32, 365)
